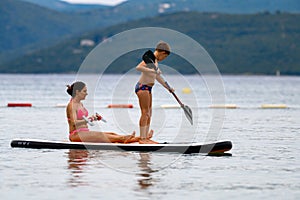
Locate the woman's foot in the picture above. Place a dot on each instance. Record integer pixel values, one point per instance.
(132, 138)
(127, 138)
(150, 134)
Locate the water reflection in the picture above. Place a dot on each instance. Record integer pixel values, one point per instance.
(79, 161)
(76, 162)
(145, 178)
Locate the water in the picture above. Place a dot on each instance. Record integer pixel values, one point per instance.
(265, 155)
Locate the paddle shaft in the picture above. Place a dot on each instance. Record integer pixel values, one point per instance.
(177, 99)
(187, 110)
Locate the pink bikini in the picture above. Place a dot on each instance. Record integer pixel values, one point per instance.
(81, 113)
(79, 130)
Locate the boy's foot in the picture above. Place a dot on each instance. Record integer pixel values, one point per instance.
(147, 141)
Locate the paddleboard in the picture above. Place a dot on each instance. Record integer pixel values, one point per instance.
(187, 148)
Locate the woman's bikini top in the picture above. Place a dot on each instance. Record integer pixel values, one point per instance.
(82, 112)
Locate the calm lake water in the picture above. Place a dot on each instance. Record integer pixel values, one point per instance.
(265, 155)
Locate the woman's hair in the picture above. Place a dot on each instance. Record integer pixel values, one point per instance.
(71, 89)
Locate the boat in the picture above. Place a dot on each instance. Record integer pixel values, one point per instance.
(186, 148)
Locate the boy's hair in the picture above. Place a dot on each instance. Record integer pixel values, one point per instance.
(163, 46)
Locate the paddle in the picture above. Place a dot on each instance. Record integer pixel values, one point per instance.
(187, 110)
(149, 58)
(100, 118)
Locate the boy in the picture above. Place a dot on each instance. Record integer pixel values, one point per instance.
(149, 73)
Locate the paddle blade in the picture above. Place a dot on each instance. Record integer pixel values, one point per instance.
(188, 113)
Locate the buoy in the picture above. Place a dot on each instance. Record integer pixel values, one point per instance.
(170, 106)
(186, 90)
(120, 106)
(274, 106)
(19, 105)
(227, 106)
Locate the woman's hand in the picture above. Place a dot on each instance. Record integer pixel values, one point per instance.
(93, 118)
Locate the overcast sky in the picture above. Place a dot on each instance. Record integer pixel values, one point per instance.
(105, 2)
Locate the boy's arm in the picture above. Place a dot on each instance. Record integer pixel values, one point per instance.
(142, 67)
(162, 81)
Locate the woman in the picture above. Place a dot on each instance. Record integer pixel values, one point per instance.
(78, 128)
(150, 73)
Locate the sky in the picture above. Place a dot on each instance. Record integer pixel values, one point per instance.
(105, 2)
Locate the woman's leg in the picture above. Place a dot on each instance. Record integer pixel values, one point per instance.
(101, 137)
(89, 136)
(131, 140)
(115, 138)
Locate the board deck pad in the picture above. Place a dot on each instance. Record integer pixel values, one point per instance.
(187, 148)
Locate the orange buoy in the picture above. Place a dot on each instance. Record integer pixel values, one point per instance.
(19, 105)
(120, 106)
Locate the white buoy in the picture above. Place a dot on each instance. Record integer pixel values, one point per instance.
(273, 106)
(166, 106)
(227, 106)
(61, 105)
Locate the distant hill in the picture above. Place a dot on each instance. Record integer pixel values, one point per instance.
(163, 6)
(223, 6)
(28, 27)
(65, 6)
(239, 44)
